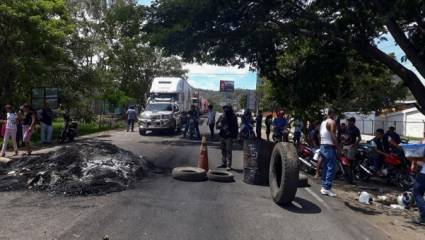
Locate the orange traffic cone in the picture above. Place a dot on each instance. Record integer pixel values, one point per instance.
(203, 158)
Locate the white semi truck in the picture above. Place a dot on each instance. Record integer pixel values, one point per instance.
(169, 97)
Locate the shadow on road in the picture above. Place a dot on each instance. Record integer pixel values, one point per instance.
(303, 206)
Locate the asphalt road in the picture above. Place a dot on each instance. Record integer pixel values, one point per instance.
(162, 208)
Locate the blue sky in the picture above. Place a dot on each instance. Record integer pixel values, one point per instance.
(209, 76)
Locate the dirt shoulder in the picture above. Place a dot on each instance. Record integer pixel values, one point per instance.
(396, 223)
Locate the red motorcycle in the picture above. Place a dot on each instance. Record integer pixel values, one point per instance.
(395, 169)
(308, 162)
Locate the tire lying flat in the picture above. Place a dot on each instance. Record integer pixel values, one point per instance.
(220, 176)
(284, 173)
(189, 174)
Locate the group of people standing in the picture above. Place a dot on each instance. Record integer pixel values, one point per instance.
(19, 126)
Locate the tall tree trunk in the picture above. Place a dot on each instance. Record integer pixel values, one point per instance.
(410, 79)
(408, 48)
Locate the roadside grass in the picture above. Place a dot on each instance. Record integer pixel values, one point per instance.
(83, 129)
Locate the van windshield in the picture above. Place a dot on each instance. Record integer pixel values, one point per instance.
(159, 107)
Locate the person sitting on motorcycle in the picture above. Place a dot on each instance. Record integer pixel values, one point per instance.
(392, 142)
(247, 121)
(378, 152)
(279, 124)
(193, 114)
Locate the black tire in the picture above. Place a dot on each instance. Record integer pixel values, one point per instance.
(220, 176)
(142, 132)
(405, 181)
(302, 180)
(189, 174)
(283, 173)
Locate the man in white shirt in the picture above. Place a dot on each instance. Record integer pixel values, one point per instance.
(211, 120)
(10, 130)
(328, 148)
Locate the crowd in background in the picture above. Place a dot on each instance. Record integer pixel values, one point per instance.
(19, 125)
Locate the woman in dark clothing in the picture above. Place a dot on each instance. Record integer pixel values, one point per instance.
(19, 132)
(28, 125)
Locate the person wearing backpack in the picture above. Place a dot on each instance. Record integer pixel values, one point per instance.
(228, 126)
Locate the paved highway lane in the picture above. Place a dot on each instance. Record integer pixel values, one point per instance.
(163, 208)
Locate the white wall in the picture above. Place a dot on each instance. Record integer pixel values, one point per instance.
(365, 122)
(415, 122)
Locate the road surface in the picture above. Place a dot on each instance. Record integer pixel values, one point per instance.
(163, 208)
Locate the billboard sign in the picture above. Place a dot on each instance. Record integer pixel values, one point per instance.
(227, 86)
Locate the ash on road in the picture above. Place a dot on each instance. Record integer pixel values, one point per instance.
(79, 169)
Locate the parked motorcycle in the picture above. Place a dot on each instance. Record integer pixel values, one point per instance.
(69, 130)
(395, 169)
(308, 158)
(308, 162)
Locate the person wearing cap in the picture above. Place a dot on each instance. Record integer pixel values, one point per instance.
(11, 121)
(351, 140)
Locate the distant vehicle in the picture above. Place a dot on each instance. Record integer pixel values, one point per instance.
(169, 97)
(172, 89)
(160, 115)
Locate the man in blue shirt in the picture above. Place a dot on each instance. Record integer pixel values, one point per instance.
(279, 124)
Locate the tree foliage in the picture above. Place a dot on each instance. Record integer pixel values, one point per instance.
(89, 49)
(259, 32)
(33, 36)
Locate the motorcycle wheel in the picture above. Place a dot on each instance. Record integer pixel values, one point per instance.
(405, 180)
(360, 174)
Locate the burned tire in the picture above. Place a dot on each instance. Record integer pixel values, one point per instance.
(220, 176)
(302, 180)
(189, 174)
(283, 173)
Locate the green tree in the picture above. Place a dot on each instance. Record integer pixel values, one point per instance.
(33, 35)
(258, 32)
(243, 101)
(310, 76)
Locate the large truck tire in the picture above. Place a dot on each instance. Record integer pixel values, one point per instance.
(189, 174)
(284, 173)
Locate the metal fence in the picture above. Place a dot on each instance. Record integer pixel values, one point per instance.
(404, 128)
